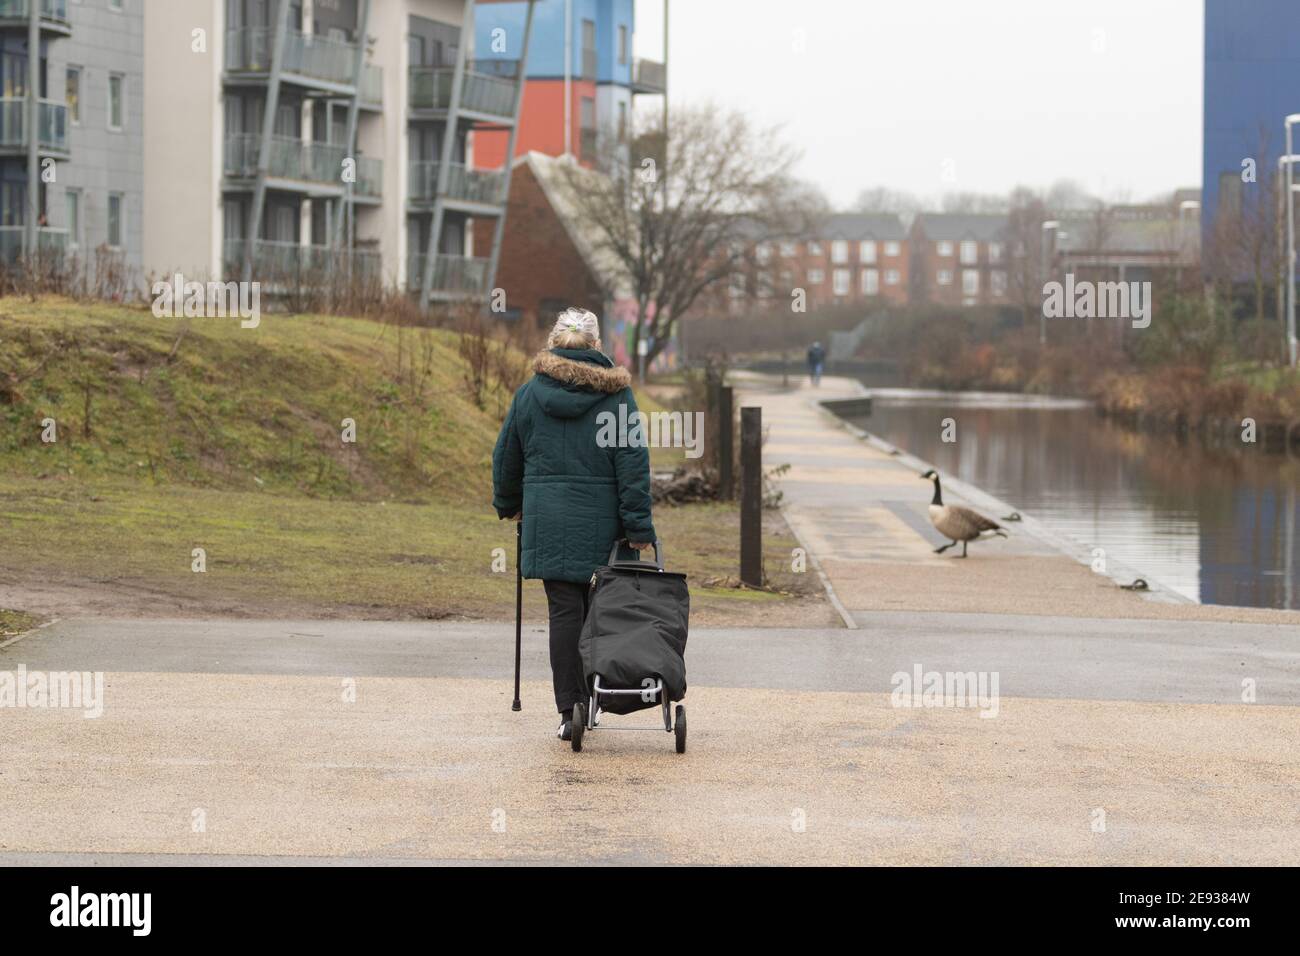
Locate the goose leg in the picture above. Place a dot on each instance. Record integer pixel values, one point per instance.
(963, 548)
(950, 544)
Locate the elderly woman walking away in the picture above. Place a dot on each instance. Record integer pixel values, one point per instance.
(576, 497)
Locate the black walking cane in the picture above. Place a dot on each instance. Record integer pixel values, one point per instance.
(519, 604)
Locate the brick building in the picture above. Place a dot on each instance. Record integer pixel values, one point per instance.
(960, 259)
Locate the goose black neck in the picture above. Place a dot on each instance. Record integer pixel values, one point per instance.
(938, 495)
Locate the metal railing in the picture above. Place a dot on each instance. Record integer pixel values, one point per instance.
(280, 261)
(50, 10)
(372, 84)
(248, 49)
(489, 87)
(649, 75)
(471, 185)
(300, 159)
(53, 242)
(463, 275)
(52, 119)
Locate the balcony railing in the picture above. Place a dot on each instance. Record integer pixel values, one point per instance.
(489, 87)
(56, 10)
(469, 185)
(49, 242)
(281, 262)
(457, 275)
(299, 159)
(649, 76)
(52, 119)
(372, 84)
(248, 50)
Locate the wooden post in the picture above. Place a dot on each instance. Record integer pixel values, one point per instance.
(711, 388)
(751, 496)
(726, 444)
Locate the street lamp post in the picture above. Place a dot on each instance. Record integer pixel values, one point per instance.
(1290, 244)
(1048, 226)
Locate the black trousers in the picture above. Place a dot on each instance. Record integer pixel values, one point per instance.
(567, 603)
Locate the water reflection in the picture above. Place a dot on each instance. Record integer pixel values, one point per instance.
(1217, 524)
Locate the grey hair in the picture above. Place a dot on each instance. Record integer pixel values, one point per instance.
(575, 329)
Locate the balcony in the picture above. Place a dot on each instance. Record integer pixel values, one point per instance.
(300, 160)
(248, 50)
(488, 89)
(466, 185)
(372, 86)
(649, 76)
(52, 120)
(454, 277)
(51, 243)
(54, 14)
(279, 262)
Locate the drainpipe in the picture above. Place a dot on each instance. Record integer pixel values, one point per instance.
(499, 227)
(568, 77)
(33, 132)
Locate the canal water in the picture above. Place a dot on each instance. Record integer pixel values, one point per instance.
(1220, 526)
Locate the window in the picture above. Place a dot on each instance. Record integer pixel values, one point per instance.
(995, 252)
(814, 248)
(891, 277)
(622, 122)
(115, 84)
(943, 248)
(867, 250)
(840, 281)
(763, 251)
(839, 251)
(72, 206)
(969, 252)
(998, 282)
(943, 277)
(736, 285)
(72, 93)
(622, 44)
(789, 250)
(765, 287)
(870, 282)
(891, 249)
(970, 282)
(115, 220)
(816, 277)
(115, 5)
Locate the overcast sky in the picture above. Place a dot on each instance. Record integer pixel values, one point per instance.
(883, 92)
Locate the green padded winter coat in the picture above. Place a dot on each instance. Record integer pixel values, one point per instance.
(577, 497)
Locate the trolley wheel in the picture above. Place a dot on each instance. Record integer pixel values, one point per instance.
(578, 724)
(680, 729)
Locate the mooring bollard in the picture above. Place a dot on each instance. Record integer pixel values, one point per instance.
(751, 496)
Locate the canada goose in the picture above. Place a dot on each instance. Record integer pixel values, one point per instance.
(955, 522)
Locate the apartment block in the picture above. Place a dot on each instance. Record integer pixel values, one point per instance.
(960, 259)
(300, 141)
(582, 77)
(73, 192)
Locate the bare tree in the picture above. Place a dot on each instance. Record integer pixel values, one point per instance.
(683, 214)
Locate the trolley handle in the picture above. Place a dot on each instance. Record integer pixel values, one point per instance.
(613, 554)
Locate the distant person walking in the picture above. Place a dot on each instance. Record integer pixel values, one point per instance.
(816, 363)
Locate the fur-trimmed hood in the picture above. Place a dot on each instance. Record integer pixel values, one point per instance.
(571, 381)
(582, 368)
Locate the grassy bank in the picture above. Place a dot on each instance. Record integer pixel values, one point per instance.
(175, 437)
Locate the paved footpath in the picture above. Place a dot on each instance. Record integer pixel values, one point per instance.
(1112, 736)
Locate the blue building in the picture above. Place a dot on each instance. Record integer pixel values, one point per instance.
(598, 83)
(1252, 83)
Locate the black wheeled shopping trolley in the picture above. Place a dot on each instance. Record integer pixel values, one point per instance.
(633, 644)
